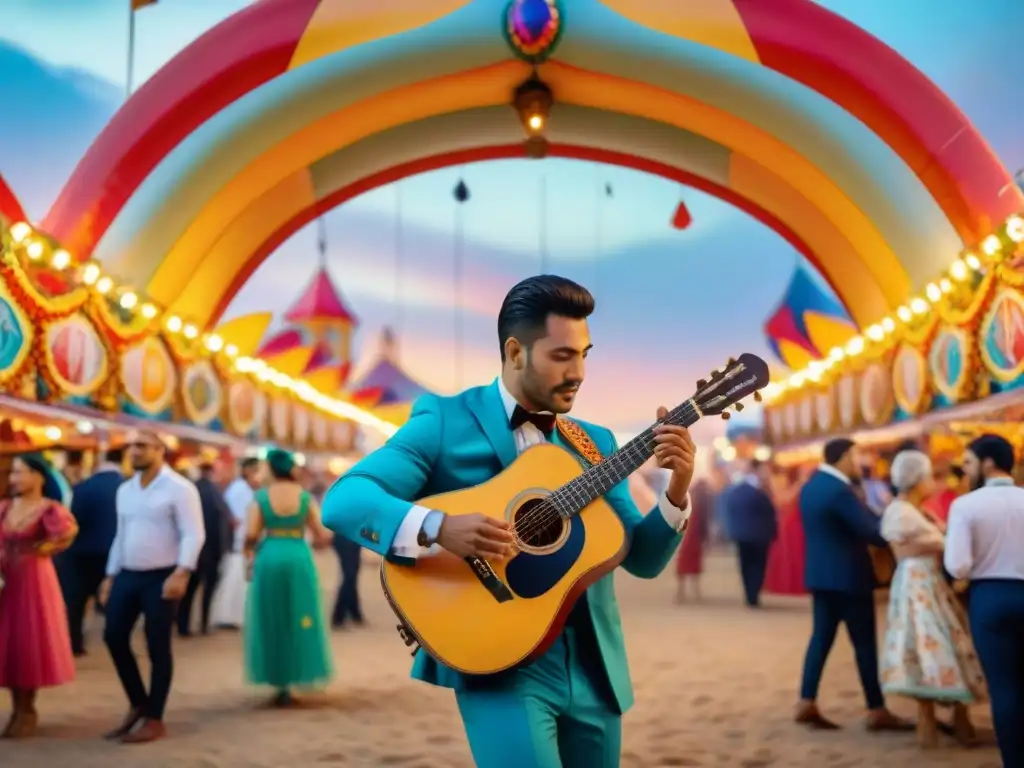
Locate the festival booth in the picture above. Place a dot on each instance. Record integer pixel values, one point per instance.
(945, 366)
(81, 354)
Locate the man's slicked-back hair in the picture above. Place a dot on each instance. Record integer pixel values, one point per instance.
(524, 312)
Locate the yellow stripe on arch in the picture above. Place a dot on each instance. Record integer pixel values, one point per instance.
(860, 285)
(340, 24)
(209, 273)
(490, 86)
(714, 23)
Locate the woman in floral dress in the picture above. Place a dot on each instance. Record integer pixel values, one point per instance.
(35, 646)
(928, 654)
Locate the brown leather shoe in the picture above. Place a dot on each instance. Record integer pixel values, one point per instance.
(884, 720)
(807, 714)
(133, 716)
(146, 731)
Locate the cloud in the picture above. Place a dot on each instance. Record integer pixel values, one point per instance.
(51, 116)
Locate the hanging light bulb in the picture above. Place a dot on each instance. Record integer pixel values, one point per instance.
(461, 192)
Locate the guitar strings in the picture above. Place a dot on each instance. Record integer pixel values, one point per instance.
(540, 516)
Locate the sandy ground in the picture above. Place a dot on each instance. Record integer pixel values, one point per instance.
(715, 686)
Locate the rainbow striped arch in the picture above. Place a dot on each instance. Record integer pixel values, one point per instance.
(533, 28)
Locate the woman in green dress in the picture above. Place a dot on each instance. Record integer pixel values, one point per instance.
(286, 641)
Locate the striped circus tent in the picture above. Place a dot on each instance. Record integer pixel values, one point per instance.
(808, 322)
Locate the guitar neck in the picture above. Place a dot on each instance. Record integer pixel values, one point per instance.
(597, 480)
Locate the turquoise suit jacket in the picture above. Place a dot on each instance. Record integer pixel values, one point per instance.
(451, 443)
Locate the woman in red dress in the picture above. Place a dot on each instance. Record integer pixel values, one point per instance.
(690, 561)
(786, 558)
(35, 647)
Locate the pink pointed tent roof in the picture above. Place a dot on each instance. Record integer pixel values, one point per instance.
(320, 301)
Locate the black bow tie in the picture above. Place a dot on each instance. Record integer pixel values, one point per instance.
(545, 422)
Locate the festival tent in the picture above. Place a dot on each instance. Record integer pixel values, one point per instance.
(808, 322)
(386, 389)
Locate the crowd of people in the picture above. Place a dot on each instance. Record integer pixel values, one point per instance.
(150, 543)
(946, 544)
(144, 541)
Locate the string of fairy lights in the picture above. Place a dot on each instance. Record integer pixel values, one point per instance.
(24, 244)
(999, 245)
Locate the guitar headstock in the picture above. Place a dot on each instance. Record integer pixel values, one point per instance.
(744, 376)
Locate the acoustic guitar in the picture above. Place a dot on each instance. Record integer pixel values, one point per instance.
(566, 538)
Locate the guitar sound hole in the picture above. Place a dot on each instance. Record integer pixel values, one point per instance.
(538, 526)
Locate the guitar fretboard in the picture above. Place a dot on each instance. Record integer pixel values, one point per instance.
(597, 480)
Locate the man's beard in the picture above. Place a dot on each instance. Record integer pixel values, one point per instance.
(544, 399)
(141, 466)
(977, 481)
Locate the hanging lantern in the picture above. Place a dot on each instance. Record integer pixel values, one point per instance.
(682, 218)
(461, 192)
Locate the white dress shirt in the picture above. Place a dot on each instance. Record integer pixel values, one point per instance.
(529, 434)
(985, 533)
(159, 526)
(828, 469)
(239, 496)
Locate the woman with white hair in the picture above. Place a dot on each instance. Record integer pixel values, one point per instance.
(928, 654)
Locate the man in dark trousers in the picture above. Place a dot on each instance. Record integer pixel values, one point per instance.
(751, 524)
(346, 606)
(159, 537)
(840, 577)
(84, 564)
(217, 520)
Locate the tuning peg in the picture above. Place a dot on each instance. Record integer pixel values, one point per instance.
(758, 397)
(732, 362)
(716, 375)
(739, 407)
(726, 415)
(701, 383)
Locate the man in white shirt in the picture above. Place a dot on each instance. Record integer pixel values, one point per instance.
(985, 543)
(160, 533)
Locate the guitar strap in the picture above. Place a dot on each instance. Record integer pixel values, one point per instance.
(578, 438)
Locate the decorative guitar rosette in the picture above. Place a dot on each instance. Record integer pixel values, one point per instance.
(910, 379)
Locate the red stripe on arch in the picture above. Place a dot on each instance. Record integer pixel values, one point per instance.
(502, 152)
(10, 208)
(824, 51)
(235, 57)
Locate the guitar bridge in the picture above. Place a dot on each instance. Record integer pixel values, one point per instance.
(408, 638)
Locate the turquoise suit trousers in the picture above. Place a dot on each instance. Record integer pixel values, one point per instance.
(555, 713)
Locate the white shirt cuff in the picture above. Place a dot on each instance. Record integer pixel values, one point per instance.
(676, 517)
(405, 543)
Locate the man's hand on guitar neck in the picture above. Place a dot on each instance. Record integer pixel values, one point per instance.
(476, 535)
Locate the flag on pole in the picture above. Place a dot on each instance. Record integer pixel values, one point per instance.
(137, 4)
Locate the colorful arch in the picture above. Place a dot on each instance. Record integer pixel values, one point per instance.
(578, 133)
(784, 85)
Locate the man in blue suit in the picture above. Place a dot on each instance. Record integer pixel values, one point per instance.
(751, 524)
(565, 709)
(83, 566)
(840, 577)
